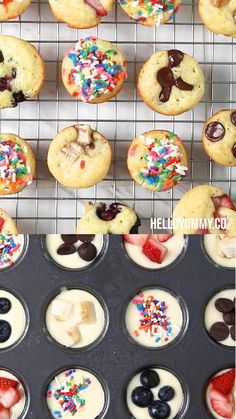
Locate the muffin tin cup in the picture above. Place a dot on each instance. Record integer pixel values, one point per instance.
(184, 328)
(219, 345)
(84, 348)
(93, 263)
(215, 264)
(27, 322)
(116, 357)
(19, 259)
(26, 390)
(186, 401)
(74, 366)
(172, 265)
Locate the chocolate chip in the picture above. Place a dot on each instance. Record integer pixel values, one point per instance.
(86, 237)
(108, 213)
(234, 150)
(175, 57)
(215, 131)
(229, 318)
(165, 94)
(233, 117)
(87, 251)
(13, 73)
(219, 331)
(5, 83)
(1, 57)
(165, 77)
(182, 85)
(18, 97)
(232, 332)
(70, 238)
(224, 305)
(66, 249)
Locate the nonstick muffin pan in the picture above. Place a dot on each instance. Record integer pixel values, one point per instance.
(115, 359)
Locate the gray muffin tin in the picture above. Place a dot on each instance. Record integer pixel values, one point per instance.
(115, 359)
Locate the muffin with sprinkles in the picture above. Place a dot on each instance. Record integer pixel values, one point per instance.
(17, 164)
(94, 70)
(157, 160)
(150, 12)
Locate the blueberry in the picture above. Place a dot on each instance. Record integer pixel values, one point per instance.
(142, 397)
(166, 393)
(5, 305)
(87, 251)
(149, 379)
(5, 331)
(159, 410)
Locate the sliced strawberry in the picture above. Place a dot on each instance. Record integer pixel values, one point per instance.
(217, 395)
(163, 237)
(97, 6)
(10, 397)
(138, 239)
(154, 251)
(4, 413)
(225, 410)
(224, 382)
(223, 201)
(6, 383)
(203, 231)
(2, 221)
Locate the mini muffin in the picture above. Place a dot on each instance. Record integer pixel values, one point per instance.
(94, 70)
(219, 16)
(81, 14)
(157, 160)
(219, 137)
(101, 218)
(205, 202)
(21, 71)
(79, 157)
(17, 164)
(171, 82)
(7, 225)
(150, 13)
(10, 9)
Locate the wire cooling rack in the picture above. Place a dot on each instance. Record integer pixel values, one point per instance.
(46, 206)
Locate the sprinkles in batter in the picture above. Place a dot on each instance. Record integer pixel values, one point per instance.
(69, 395)
(153, 318)
(13, 170)
(163, 167)
(149, 8)
(8, 248)
(95, 72)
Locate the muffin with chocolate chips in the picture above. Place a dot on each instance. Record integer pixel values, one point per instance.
(21, 71)
(219, 16)
(219, 137)
(171, 82)
(79, 157)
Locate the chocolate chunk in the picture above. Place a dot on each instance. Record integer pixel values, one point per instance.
(1, 57)
(234, 150)
(13, 73)
(224, 305)
(86, 237)
(165, 94)
(87, 251)
(215, 131)
(182, 85)
(219, 331)
(232, 332)
(18, 97)
(229, 318)
(175, 57)
(108, 213)
(66, 249)
(165, 77)
(70, 238)
(5, 83)
(233, 117)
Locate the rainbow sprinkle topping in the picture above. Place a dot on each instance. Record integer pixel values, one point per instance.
(95, 72)
(153, 318)
(145, 9)
(13, 170)
(163, 168)
(69, 395)
(8, 248)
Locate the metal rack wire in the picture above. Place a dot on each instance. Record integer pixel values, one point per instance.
(46, 206)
